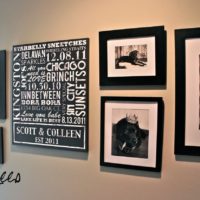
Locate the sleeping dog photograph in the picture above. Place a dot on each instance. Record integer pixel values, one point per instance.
(130, 133)
(130, 56)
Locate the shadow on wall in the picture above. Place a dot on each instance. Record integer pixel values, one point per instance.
(63, 153)
(187, 158)
(147, 174)
(146, 87)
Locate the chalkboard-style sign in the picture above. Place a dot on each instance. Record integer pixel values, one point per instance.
(1, 146)
(2, 84)
(50, 89)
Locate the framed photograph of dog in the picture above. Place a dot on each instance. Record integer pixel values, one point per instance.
(133, 56)
(132, 132)
(2, 84)
(187, 127)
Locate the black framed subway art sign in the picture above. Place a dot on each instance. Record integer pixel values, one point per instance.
(50, 82)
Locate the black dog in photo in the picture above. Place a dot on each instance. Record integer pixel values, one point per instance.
(132, 58)
(129, 135)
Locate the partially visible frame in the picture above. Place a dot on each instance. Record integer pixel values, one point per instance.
(132, 132)
(2, 84)
(133, 56)
(1, 146)
(187, 129)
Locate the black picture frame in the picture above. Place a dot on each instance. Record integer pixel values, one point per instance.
(146, 118)
(187, 116)
(150, 43)
(1, 146)
(2, 84)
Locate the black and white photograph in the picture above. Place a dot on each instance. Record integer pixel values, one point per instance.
(192, 136)
(132, 132)
(187, 130)
(134, 56)
(131, 57)
(50, 94)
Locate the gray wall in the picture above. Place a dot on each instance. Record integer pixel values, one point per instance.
(58, 174)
